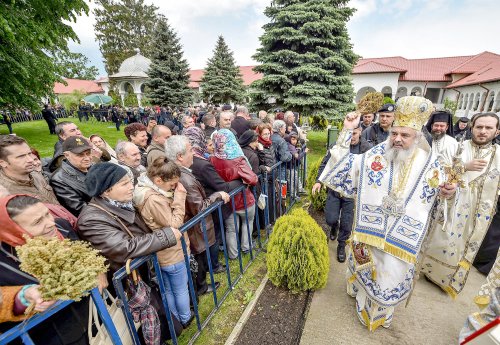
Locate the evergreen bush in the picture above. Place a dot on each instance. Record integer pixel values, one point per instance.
(318, 200)
(297, 253)
(388, 100)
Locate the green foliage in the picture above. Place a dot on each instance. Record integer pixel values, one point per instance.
(66, 269)
(388, 100)
(318, 123)
(169, 71)
(318, 200)
(131, 100)
(76, 66)
(450, 105)
(30, 33)
(72, 100)
(306, 57)
(297, 253)
(121, 26)
(222, 82)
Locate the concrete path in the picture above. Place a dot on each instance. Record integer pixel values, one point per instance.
(431, 317)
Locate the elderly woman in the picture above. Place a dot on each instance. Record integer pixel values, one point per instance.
(160, 199)
(23, 215)
(231, 164)
(212, 182)
(113, 226)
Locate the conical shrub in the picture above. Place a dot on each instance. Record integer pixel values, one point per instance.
(318, 200)
(297, 253)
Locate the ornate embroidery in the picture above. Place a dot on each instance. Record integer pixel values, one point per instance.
(372, 219)
(342, 180)
(412, 235)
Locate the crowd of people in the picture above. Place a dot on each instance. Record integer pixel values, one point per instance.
(415, 194)
(130, 200)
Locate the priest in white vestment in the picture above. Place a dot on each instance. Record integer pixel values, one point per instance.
(454, 241)
(395, 185)
(440, 126)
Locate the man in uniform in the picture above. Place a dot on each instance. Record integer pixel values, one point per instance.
(379, 132)
(392, 208)
(455, 241)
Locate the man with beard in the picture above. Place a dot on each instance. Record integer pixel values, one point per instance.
(393, 203)
(454, 244)
(440, 126)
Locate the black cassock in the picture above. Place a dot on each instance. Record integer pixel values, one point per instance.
(487, 253)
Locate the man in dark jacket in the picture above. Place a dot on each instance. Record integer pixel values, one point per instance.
(378, 132)
(240, 123)
(336, 205)
(68, 182)
(280, 147)
(49, 117)
(181, 152)
(210, 124)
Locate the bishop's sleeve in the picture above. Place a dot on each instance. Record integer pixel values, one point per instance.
(342, 170)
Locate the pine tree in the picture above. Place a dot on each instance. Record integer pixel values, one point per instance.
(222, 81)
(121, 26)
(169, 71)
(306, 57)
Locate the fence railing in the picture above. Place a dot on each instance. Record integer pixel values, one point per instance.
(281, 185)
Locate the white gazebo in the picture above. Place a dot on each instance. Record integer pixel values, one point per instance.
(133, 72)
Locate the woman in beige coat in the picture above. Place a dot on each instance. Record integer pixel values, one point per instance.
(160, 199)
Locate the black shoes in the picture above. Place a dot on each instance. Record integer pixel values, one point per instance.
(334, 231)
(341, 253)
(220, 269)
(210, 289)
(186, 325)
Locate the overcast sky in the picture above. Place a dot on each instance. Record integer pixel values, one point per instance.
(380, 28)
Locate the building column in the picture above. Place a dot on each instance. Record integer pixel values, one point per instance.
(139, 97)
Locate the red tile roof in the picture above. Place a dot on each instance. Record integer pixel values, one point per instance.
(488, 73)
(433, 69)
(369, 66)
(86, 86)
(476, 62)
(246, 72)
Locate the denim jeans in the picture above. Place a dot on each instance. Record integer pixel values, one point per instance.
(343, 208)
(233, 231)
(176, 284)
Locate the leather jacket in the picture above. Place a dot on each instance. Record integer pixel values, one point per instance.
(196, 202)
(69, 187)
(106, 234)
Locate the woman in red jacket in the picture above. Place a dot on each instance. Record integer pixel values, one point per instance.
(231, 164)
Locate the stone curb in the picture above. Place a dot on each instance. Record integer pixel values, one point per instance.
(246, 313)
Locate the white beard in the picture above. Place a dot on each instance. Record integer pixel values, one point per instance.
(399, 156)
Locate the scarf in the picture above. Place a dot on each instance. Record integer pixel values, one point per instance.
(226, 146)
(198, 141)
(129, 206)
(11, 233)
(266, 143)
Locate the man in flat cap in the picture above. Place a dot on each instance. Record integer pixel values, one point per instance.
(379, 132)
(395, 186)
(440, 126)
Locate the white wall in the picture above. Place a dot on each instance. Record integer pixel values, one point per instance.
(377, 81)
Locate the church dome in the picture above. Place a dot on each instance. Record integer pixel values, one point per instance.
(135, 66)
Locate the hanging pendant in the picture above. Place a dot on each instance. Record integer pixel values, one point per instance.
(393, 206)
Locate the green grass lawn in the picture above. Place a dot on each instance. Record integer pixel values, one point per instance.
(37, 133)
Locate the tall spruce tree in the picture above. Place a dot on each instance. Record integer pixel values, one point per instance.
(121, 26)
(169, 71)
(306, 57)
(222, 81)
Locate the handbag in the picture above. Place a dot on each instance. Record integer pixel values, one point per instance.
(102, 337)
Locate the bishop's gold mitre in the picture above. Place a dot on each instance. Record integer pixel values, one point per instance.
(412, 112)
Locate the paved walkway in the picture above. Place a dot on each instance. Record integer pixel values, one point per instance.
(431, 317)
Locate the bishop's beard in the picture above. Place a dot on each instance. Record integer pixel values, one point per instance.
(399, 155)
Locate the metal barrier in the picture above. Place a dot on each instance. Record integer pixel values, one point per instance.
(21, 330)
(280, 185)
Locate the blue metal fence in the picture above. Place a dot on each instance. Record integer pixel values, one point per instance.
(281, 185)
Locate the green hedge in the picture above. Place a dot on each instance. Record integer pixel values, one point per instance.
(297, 253)
(318, 200)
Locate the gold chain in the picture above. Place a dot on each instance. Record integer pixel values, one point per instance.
(403, 175)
